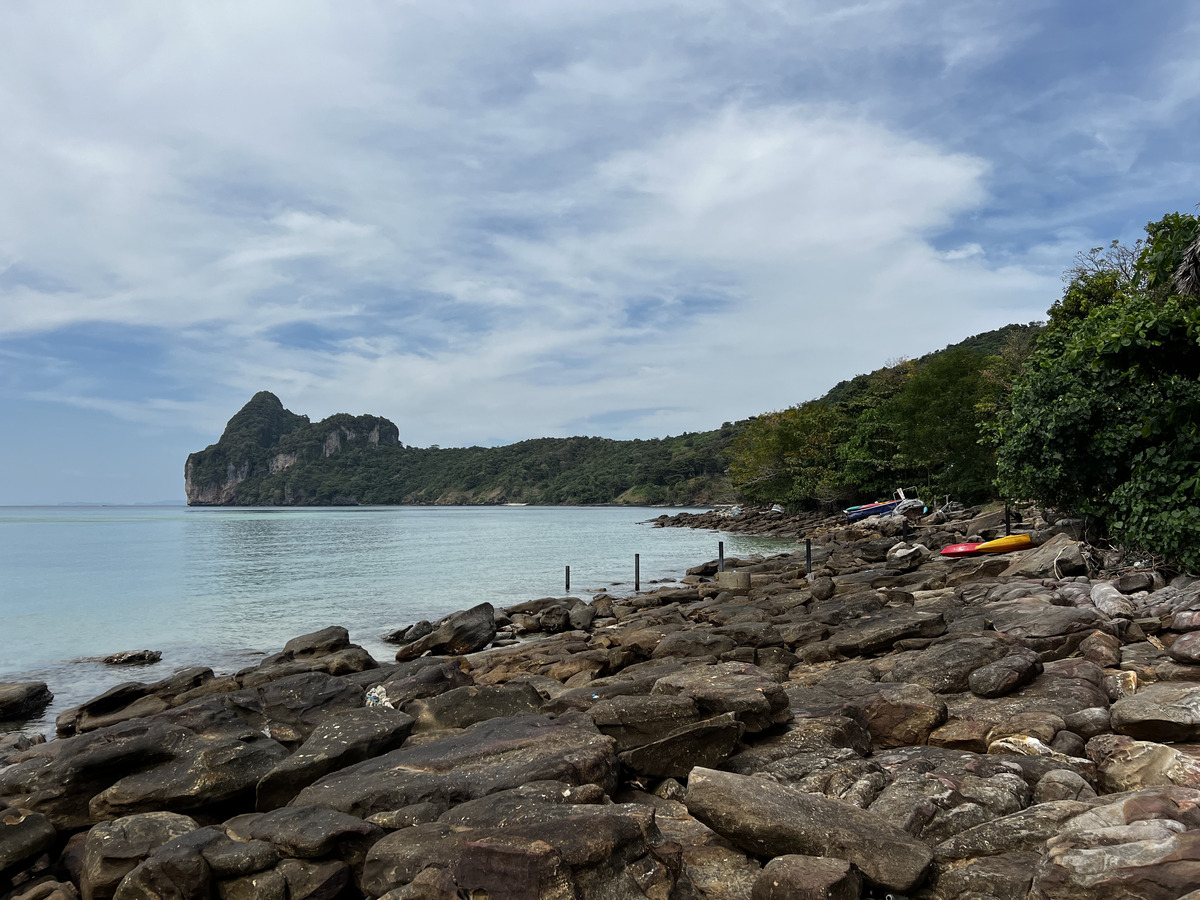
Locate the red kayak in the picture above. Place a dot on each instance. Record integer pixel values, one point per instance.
(961, 550)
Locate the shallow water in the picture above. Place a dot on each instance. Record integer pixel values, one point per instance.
(221, 587)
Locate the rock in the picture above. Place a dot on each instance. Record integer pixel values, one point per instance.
(1142, 844)
(458, 633)
(795, 877)
(1033, 620)
(176, 870)
(1111, 602)
(1102, 649)
(133, 658)
(315, 880)
(637, 720)
(1062, 784)
(48, 890)
(538, 840)
(1028, 829)
(1058, 557)
(902, 715)
(23, 835)
(1000, 678)
(465, 706)
(881, 631)
(308, 832)
(1132, 582)
(435, 677)
(488, 757)
(773, 820)
(1164, 712)
(289, 708)
(113, 849)
(23, 699)
(756, 699)
(1186, 648)
(707, 743)
(350, 738)
(1123, 764)
(946, 666)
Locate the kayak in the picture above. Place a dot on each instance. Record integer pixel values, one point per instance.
(961, 550)
(1005, 544)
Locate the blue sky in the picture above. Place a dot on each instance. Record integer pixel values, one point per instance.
(498, 221)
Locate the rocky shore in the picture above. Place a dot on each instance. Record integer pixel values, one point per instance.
(892, 723)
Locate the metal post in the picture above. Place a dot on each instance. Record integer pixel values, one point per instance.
(808, 555)
(1007, 523)
(637, 571)
(720, 556)
(904, 530)
(568, 579)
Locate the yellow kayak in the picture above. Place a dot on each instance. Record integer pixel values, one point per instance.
(1005, 544)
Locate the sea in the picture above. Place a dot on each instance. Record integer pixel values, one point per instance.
(222, 587)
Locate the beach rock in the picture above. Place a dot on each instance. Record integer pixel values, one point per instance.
(637, 720)
(1142, 845)
(133, 658)
(23, 836)
(458, 633)
(1163, 712)
(1000, 678)
(1186, 648)
(289, 708)
(1056, 558)
(902, 715)
(1124, 764)
(113, 849)
(756, 699)
(707, 743)
(308, 880)
(879, 632)
(436, 677)
(177, 870)
(538, 840)
(488, 757)
(1062, 784)
(144, 765)
(23, 699)
(1026, 830)
(47, 890)
(1030, 620)
(308, 832)
(773, 820)
(350, 738)
(945, 668)
(794, 877)
(465, 706)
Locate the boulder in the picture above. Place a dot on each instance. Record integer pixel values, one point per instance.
(946, 666)
(23, 699)
(756, 699)
(435, 677)
(902, 715)
(133, 658)
(459, 633)
(636, 720)
(467, 705)
(289, 708)
(1058, 557)
(794, 877)
(769, 819)
(488, 757)
(113, 849)
(1124, 764)
(1165, 712)
(1000, 678)
(537, 840)
(707, 743)
(23, 835)
(350, 738)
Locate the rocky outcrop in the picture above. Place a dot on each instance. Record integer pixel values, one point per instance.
(924, 727)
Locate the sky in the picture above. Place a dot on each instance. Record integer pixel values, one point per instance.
(492, 221)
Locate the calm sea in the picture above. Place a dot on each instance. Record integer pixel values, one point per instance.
(221, 587)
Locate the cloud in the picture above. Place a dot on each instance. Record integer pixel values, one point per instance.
(492, 222)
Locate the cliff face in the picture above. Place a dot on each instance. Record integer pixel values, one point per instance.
(263, 441)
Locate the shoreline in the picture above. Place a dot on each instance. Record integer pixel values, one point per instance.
(964, 714)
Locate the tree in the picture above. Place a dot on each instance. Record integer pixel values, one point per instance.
(788, 456)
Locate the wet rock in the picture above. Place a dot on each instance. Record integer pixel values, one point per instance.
(430, 677)
(795, 877)
(113, 849)
(485, 758)
(458, 633)
(23, 699)
(772, 820)
(289, 708)
(133, 658)
(177, 870)
(328, 650)
(350, 738)
(308, 832)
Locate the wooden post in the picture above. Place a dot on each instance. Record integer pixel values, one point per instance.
(637, 571)
(568, 579)
(720, 556)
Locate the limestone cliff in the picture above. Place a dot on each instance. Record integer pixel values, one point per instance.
(264, 440)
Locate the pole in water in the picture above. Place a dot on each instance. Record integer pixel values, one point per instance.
(720, 556)
(1007, 523)
(637, 571)
(568, 579)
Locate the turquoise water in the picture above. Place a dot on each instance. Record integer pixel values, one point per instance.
(221, 587)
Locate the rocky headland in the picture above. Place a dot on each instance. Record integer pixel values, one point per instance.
(893, 722)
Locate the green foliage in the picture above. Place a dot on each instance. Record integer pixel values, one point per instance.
(788, 456)
(1105, 422)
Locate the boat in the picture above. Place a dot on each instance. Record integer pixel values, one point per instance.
(881, 508)
(1007, 543)
(961, 550)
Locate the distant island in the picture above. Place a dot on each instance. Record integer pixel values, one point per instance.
(270, 456)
